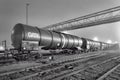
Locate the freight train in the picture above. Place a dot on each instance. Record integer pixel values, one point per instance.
(52, 40)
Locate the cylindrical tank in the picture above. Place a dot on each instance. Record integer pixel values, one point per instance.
(90, 44)
(46, 38)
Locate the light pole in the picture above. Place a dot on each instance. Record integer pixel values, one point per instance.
(27, 4)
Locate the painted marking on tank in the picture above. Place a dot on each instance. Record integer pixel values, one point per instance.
(33, 35)
(63, 40)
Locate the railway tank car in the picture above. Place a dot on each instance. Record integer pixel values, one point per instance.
(47, 39)
(91, 45)
(52, 40)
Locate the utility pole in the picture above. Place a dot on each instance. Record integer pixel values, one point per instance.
(27, 4)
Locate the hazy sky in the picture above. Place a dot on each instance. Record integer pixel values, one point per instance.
(46, 12)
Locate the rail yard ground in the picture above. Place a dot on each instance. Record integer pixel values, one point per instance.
(101, 65)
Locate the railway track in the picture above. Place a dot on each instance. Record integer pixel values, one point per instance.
(8, 61)
(54, 70)
(34, 69)
(112, 74)
(106, 70)
(46, 61)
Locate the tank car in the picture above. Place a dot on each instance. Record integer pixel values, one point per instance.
(91, 45)
(52, 40)
(106, 46)
(45, 38)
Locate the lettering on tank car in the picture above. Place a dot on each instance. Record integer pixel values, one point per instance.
(33, 35)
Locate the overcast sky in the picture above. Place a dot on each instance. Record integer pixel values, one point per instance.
(46, 12)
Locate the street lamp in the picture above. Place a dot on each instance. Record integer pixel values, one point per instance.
(95, 38)
(109, 41)
(27, 4)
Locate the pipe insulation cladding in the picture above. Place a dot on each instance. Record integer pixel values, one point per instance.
(46, 38)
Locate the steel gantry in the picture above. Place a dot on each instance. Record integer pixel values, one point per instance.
(102, 17)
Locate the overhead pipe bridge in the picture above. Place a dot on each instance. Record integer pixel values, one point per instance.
(102, 17)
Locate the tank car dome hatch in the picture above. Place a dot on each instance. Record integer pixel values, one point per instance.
(17, 34)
